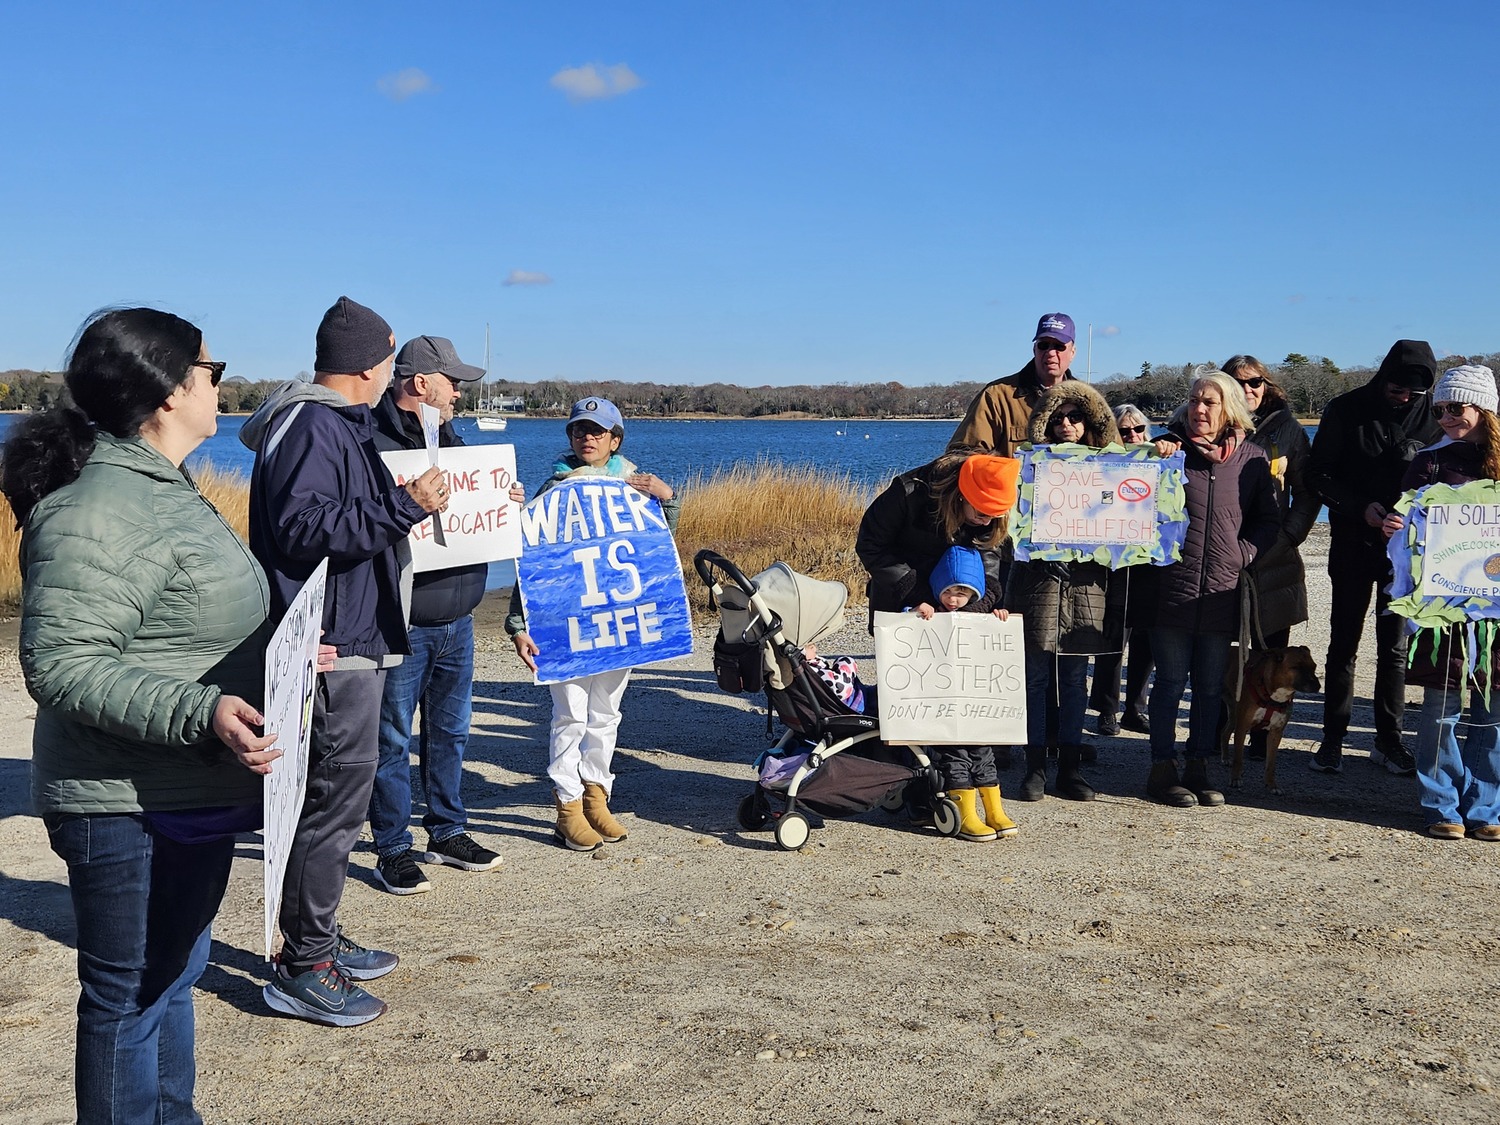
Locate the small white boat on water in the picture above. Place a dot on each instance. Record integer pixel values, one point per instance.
(491, 422)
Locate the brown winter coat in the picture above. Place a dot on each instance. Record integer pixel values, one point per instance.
(1000, 413)
(1278, 575)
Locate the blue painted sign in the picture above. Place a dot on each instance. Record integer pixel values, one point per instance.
(600, 580)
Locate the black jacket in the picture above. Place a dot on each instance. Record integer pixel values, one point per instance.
(438, 597)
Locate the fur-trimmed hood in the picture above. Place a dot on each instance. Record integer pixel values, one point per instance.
(1072, 392)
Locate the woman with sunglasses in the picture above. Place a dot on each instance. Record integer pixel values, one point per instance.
(1460, 788)
(142, 637)
(1195, 612)
(1104, 697)
(1064, 610)
(1278, 579)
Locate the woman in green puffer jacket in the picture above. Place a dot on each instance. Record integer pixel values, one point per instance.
(143, 628)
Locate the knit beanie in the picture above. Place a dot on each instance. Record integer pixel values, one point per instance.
(1409, 363)
(990, 483)
(1470, 383)
(959, 566)
(352, 339)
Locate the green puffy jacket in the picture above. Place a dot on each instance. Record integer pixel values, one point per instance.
(140, 608)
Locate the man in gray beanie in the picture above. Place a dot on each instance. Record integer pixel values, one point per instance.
(1365, 441)
(320, 491)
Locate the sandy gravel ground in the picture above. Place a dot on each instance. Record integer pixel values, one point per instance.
(1307, 957)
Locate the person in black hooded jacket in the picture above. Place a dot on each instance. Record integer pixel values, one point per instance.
(1365, 442)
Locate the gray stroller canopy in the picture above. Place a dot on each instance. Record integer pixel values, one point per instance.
(810, 608)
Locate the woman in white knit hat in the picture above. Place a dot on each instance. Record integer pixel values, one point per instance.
(1460, 785)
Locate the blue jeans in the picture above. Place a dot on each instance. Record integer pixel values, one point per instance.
(1056, 688)
(1182, 655)
(1459, 786)
(143, 904)
(439, 674)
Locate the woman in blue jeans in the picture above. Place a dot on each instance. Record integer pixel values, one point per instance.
(1460, 785)
(142, 638)
(1233, 515)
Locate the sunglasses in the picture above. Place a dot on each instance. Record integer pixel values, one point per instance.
(1072, 417)
(1050, 346)
(215, 369)
(1128, 430)
(1453, 409)
(1254, 384)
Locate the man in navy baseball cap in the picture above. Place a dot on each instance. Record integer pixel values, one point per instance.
(997, 417)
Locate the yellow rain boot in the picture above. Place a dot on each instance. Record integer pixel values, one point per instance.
(970, 827)
(994, 812)
(596, 812)
(573, 829)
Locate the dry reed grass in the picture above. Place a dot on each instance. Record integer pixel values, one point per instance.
(753, 515)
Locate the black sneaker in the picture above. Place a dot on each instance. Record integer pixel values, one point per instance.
(1396, 758)
(400, 874)
(1109, 725)
(1136, 722)
(323, 995)
(1328, 759)
(461, 851)
(358, 963)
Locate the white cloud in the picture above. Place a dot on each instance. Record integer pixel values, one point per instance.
(1296, 299)
(405, 84)
(1109, 330)
(593, 82)
(527, 277)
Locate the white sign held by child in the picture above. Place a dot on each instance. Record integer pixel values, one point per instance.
(291, 679)
(1463, 551)
(958, 679)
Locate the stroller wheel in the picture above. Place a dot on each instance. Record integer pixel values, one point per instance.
(894, 800)
(792, 831)
(945, 817)
(752, 813)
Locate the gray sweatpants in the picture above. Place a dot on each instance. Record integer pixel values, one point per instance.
(345, 748)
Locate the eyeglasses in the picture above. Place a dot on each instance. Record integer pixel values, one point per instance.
(1128, 430)
(586, 429)
(1453, 409)
(1254, 384)
(1072, 417)
(215, 369)
(1050, 346)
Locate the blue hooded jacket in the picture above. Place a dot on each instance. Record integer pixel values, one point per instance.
(959, 566)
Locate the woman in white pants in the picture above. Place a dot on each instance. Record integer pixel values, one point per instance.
(586, 710)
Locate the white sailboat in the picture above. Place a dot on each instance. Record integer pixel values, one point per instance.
(487, 419)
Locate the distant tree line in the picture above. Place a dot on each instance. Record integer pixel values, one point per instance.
(1309, 381)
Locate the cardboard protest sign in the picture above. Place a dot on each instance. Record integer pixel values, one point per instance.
(291, 679)
(600, 580)
(1120, 507)
(1446, 559)
(958, 679)
(480, 524)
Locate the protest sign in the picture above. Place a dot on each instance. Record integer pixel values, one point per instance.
(957, 679)
(1120, 508)
(600, 580)
(480, 523)
(291, 679)
(1463, 551)
(1446, 559)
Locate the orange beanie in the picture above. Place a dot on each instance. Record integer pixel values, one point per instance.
(990, 483)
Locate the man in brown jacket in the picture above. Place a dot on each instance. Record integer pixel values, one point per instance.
(998, 416)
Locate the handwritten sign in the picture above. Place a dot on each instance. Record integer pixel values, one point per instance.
(1463, 551)
(958, 679)
(1120, 508)
(481, 523)
(600, 580)
(291, 679)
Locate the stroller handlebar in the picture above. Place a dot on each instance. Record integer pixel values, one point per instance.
(706, 562)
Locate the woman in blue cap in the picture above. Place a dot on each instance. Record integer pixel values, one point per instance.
(586, 710)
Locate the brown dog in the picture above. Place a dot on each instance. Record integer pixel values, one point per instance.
(1272, 677)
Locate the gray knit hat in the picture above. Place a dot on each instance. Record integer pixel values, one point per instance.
(1469, 383)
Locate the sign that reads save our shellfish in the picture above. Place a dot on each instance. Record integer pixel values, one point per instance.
(1462, 559)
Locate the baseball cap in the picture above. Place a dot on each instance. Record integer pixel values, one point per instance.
(1055, 326)
(434, 355)
(600, 411)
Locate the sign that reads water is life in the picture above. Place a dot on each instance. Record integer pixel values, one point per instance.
(1096, 501)
(600, 580)
(1462, 559)
(957, 679)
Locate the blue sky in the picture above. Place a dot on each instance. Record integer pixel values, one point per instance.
(756, 192)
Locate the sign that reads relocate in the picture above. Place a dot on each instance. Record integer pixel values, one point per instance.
(600, 580)
(480, 524)
(958, 679)
(291, 679)
(1095, 501)
(1462, 558)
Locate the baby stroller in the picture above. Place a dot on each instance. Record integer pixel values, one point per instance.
(831, 760)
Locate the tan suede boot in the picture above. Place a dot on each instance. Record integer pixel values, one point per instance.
(994, 811)
(573, 829)
(596, 811)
